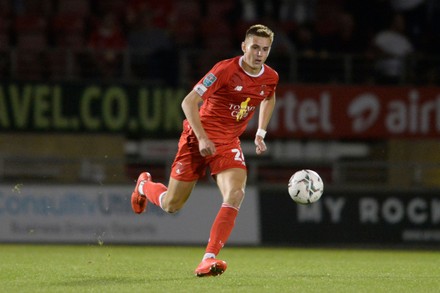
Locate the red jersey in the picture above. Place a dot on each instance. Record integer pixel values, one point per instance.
(230, 98)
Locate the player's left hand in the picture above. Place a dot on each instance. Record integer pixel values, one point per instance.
(260, 145)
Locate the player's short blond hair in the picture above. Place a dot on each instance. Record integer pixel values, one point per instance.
(260, 30)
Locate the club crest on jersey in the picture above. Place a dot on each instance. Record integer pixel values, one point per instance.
(209, 80)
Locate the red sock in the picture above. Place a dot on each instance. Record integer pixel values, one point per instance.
(221, 228)
(153, 191)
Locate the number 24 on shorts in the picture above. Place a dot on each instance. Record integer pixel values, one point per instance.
(239, 156)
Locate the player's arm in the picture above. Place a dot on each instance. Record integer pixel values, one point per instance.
(266, 110)
(190, 106)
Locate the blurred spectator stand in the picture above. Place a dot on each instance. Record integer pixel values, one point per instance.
(106, 43)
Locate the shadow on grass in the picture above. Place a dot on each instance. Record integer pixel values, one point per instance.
(91, 281)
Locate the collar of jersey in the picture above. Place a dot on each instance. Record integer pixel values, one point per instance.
(240, 62)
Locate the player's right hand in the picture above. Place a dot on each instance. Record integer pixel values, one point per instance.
(206, 147)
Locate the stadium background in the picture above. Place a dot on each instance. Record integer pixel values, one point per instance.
(90, 96)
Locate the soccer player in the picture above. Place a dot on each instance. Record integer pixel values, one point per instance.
(217, 111)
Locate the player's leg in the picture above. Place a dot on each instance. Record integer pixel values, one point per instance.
(187, 167)
(177, 194)
(231, 183)
(170, 199)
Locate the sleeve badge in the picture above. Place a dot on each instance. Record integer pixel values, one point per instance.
(209, 80)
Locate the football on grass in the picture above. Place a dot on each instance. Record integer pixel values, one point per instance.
(305, 187)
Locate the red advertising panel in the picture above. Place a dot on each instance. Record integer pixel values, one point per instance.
(355, 112)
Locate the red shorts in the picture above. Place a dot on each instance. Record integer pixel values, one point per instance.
(189, 165)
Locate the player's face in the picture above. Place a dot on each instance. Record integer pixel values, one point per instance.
(256, 50)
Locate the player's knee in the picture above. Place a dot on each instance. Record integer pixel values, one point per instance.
(235, 197)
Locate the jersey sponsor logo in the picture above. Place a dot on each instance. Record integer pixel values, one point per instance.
(209, 80)
(243, 109)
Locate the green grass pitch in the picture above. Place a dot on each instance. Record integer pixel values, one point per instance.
(107, 268)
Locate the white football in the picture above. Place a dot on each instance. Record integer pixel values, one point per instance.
(305, 187)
